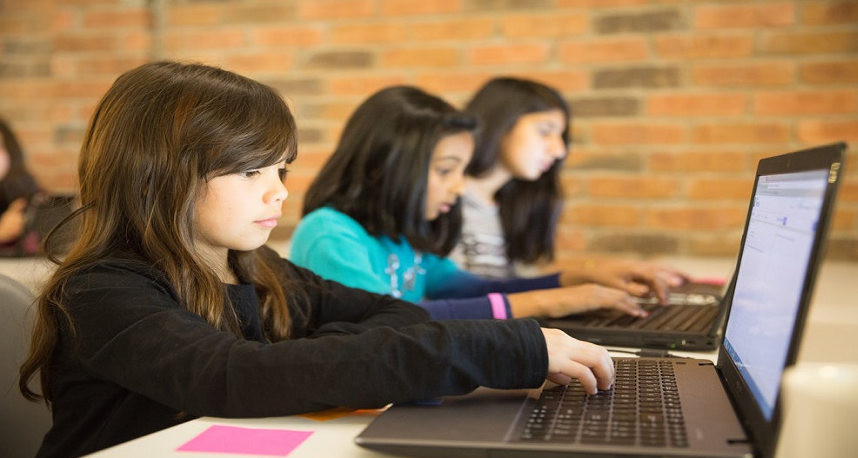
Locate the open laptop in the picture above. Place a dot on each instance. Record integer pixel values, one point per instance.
(690, 408)
(693, 320)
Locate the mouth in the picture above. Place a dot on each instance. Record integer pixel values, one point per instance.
(268, 222)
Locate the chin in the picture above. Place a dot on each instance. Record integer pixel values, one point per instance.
(248, 245)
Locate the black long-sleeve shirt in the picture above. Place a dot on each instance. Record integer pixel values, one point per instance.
(142, 362)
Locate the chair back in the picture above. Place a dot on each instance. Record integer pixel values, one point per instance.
(23, 423)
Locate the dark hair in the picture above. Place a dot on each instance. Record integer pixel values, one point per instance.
(161, 131)
(18, 181)
(529, 210)
(378, 172)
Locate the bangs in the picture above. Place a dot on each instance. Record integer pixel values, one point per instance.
(263, 134)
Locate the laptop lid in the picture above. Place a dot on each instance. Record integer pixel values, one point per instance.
(780, 252)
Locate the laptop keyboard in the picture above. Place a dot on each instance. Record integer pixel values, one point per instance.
(689, 317)
(641, 408)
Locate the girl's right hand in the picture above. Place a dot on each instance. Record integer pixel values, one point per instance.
(570, 358)
(558, 302)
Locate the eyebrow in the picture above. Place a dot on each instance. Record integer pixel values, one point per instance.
(447, 158)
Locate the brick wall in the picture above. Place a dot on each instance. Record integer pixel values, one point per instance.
(674, 100)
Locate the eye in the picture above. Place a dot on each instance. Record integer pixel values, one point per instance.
(443, 172)
(249, 174)
(282, 173)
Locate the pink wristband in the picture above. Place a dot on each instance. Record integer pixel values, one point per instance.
(498, 305)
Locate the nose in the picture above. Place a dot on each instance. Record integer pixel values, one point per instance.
(459, 185)
(277, 191)
(558, 147)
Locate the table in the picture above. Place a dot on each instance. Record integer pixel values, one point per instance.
(829, 336)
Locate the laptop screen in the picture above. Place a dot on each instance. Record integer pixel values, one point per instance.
(771, 275)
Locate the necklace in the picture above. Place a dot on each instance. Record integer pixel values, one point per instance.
(409, 277)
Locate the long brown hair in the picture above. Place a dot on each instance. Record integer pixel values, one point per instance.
(161, 131)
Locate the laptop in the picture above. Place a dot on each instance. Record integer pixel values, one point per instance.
(692, 320)
(664, 406)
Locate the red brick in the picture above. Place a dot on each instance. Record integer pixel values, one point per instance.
(634, 186)
(551, 24)
(705, 218)
(450, 82)
(220, 39)
(722, 133)
(452, 29)
(85, 42)
(564, 81)
(844, 219)
(770, 14)
(604, 50)
(92, 88)
(335, 9)
(696, 162)
(848, 191)
(830, 12)
(412, 8)
(98, 65)
(62, 20)
(840, 71)
(253, 63)
(697, 104)
(640, 133)
(196, 14)
(296, 36)
(338, 111)
(524, 53)
(421, 57)
(599, 4)
(135, 41)
(361, 86)
(569, 240)
(806, 102)
(602, 215)
(725, 244)
(704, 46)
(814, 42)
(117, 18)
(311, 159)
(369, 33)
(720, 189)
(256, 13)
(759, 73)
(817, 131)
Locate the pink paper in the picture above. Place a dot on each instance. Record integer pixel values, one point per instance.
(248, 441)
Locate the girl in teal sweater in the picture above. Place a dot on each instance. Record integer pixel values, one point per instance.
(383, 214)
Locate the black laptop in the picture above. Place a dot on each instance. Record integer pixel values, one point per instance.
(660, 407)
(692, 320)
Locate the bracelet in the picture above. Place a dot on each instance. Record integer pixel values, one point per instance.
(498, 306)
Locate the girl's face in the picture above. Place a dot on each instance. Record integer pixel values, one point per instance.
(238, 211)
(5, 159)
(533, 144)
(446, 180)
